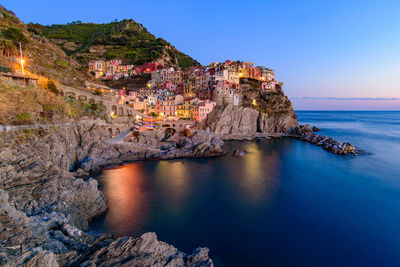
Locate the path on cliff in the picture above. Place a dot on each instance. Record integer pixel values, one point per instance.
(7, 128)
(119, 139)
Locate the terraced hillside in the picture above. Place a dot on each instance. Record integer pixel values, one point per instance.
(126, 40)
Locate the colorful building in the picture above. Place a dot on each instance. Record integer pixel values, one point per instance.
(98, 67)
(166, 107)
(201, 110)
(149, 67)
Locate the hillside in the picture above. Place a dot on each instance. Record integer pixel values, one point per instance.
(42, 57)
(126, 40)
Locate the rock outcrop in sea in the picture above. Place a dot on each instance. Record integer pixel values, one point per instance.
(47, 197)
(305, 133)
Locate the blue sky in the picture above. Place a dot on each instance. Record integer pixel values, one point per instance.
(319, 49)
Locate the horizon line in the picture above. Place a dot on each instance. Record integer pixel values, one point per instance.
(347, 98)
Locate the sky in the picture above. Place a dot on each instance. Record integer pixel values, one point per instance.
(329, 54)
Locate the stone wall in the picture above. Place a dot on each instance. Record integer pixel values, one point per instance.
(108, 101)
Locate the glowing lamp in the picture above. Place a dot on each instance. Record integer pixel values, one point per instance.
(22, 64)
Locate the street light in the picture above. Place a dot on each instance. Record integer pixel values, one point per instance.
(22, 61)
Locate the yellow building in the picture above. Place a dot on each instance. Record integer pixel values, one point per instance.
(184, 110)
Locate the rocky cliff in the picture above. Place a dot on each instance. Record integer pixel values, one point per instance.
(260, 112)
(47, 197)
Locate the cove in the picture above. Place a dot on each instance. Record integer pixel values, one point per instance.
(285, 202)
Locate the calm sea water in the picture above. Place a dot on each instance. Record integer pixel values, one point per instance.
(284, 203)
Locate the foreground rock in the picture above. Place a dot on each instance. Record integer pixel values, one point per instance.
(200, 144)
(305, 133)
(145, 251)
(47, 197)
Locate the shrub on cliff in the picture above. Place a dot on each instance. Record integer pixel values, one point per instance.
(23, 118)
(52, 87)
(14, 34)
(95, 109)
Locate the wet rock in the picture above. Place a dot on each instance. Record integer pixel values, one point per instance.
(238, 153)
(329, 144)
(315, 129)
(305, 133)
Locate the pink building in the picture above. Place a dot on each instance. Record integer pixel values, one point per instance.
(268, 86)
(167, 85)
(201, 110)
(166, 107)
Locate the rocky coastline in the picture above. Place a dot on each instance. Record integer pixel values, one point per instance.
(247, 123)
(47, 197)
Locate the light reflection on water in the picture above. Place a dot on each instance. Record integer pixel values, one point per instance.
(126, 198)
(172, 176)
(258, 173)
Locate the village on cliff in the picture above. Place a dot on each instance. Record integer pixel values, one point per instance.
(173, 94)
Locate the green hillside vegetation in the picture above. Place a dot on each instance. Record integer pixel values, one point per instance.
(21, 105)
(125, 40)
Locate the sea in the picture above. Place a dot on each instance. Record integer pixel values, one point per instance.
(284, 203)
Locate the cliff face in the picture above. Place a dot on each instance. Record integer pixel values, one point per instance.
(232, 120)
(260, 112)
